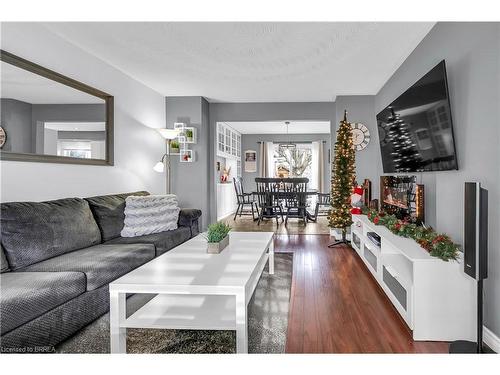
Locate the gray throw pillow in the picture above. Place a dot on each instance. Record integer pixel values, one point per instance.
(150, 214)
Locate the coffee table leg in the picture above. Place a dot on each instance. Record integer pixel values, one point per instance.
(271, 258)
(118, 335)
(241, 324)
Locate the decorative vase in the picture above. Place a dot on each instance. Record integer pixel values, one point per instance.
(217, 247)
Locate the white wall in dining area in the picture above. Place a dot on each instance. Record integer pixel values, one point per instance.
(138, 110)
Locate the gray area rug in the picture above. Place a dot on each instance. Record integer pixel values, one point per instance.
(267, 324)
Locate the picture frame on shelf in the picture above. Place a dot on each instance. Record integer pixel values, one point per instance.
(186, 156)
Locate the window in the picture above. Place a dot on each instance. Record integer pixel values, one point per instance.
(75, 149)
(81, 149)
(293, 163)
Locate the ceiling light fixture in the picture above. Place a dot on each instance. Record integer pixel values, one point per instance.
(287, 145)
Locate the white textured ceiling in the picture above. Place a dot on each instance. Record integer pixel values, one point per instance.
(279, 127)
(20, 84)
(252, 62)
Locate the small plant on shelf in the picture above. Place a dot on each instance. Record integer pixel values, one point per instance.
(189, 135)
(174, 146)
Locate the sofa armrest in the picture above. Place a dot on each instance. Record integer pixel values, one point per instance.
(188, 217)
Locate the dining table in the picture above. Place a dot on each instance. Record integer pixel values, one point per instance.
(281, 195)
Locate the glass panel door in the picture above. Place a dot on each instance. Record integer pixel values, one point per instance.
(233, 144)
(228, 141)
(220, 138)
(238, 145)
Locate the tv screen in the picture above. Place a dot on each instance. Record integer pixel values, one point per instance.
(416, 131)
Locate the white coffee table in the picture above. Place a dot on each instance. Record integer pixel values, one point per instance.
(195, 290)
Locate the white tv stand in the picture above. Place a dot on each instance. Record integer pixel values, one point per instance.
(435, 298)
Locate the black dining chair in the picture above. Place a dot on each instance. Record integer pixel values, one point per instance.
(243, 199)
(322, 200)
(295, 198)
(268, 198)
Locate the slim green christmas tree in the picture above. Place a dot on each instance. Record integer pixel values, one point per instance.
(343, 176)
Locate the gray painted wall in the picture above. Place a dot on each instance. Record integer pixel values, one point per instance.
(249, 142)
(320, 111)
(190, 180)
(472, 55)
(90, 135)
(16, 121)
(63, 112)
(24, 122)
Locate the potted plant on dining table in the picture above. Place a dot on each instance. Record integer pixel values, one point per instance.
(217, 237)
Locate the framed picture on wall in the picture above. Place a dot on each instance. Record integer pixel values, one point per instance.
(250, 161)
(186, 156)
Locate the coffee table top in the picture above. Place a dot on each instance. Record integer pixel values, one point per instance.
(189, 269)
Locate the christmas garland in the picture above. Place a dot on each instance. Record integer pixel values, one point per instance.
(438, 245)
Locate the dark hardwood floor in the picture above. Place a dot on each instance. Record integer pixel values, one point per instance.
(337, 307)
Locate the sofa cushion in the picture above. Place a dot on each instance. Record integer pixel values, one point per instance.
(189, 217)
(35, 231)
(101, 263)
(3, 261)
(163, 241)
(109, 213)
(27, 295)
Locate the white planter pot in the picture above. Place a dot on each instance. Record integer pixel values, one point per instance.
(217, 247)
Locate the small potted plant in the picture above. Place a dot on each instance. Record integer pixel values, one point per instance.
(189, 135)
(217, 237)
(174, 146)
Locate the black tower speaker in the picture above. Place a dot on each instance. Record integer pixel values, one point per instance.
(475, 255)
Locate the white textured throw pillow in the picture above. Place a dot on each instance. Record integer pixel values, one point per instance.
(150, 214)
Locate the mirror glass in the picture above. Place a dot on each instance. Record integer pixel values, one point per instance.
(43, 117)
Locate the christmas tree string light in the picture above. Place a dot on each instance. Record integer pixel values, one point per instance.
(343, 177)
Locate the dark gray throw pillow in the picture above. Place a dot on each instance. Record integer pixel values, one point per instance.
(109, 212)
(35, 231)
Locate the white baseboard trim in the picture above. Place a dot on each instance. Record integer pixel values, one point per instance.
(490, 339)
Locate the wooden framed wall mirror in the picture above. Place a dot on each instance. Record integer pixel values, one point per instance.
(50, 118)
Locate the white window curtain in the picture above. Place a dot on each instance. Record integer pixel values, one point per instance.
(266, 160)
(318, 166)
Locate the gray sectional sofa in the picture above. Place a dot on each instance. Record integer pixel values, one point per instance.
(57, 259)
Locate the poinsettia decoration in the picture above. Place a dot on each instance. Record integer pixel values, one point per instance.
(438, 245)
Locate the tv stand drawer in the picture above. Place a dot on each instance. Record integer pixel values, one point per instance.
(371, 258)
(396, 288)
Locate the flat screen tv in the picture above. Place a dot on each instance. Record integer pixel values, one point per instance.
(416, 130)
